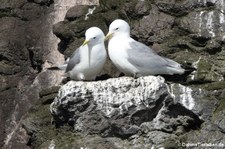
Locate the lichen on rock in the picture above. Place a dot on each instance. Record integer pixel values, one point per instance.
(188, 31)
(122, 107)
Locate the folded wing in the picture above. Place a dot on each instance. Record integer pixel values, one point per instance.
(74, 60)
(143, 57)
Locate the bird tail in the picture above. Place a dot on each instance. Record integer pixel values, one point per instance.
(174, 67)
(180, 70)
(60, 67)
(176, 70)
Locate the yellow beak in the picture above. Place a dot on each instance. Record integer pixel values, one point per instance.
(108, 36)
(85, 42)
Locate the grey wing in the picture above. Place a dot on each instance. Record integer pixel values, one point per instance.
(142, 56)
(73, 60)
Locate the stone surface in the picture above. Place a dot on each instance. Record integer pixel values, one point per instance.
(27, 47)
(210, 135)
(195, 99)
(123, 107)
(188, 31)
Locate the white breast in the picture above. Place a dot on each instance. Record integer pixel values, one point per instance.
(118, 54)
(82, 71)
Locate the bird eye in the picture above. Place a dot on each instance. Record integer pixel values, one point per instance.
(94, 37)
(117, 28)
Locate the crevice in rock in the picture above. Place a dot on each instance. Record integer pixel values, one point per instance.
(67, 115)
(148, 114)
(4, 58)
(214, 50)
(199, 41)
(176, 110)
(123, 132)
(9, 12)
(103, 77)
(36, 64)
(42, 2)
(63, 44)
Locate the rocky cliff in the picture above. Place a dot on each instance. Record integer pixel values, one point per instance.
(118, 112)
(27, 47)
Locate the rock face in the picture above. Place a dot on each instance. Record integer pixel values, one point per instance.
(190, 109)
(123, 107)
(190, 32)
(27, 47)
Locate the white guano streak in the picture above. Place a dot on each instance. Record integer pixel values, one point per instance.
(186, 97)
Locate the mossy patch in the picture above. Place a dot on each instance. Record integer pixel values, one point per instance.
(215, 86)
(204, 65)
(5, 13)
(172, 144)
(221, 106)
(47, 95)
(38, 125)
(206, 71)
(48, 91)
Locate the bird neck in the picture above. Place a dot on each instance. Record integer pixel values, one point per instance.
(95, 46)
(122, 35)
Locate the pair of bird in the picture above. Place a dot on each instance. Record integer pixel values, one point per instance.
(129, 56)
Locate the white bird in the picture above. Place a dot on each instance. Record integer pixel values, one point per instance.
(134, 58)
(88, 60)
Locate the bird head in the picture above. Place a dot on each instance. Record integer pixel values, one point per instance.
(93, 36)
(118, 27)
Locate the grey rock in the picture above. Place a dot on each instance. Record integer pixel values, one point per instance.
(26, 45)
(219, 120)
(77, 12)
(121, 107)
(111, 99)
(210, 134)
(184, 30)
(137, 9)
(43, 2)
(195, 99)
(178, 8)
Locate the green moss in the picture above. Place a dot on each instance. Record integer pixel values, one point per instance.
(38, 124)
(2, 14)
(47, 95)
(7, 13)
(47, 91)
(169, 144)
(221, 106)
(215, 86)
(206, 71)
(48, 99)
(204, 65)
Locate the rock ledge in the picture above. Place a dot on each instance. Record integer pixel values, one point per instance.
(121, 107)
